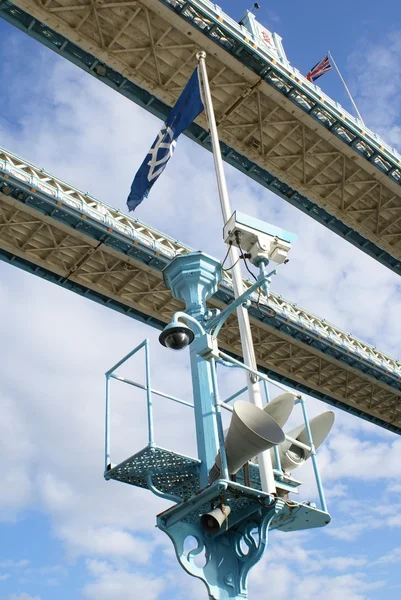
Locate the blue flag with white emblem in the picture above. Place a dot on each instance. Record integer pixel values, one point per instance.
(188, 106)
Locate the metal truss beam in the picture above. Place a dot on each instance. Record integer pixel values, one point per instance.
(55, 231)
(279, 129)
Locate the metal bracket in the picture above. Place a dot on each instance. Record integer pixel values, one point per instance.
(218, 321)
(222, 561)
(206, 346)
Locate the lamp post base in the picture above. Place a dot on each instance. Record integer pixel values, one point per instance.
(222, 560)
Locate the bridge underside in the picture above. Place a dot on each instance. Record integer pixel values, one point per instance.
(43, 232)
(273, 124)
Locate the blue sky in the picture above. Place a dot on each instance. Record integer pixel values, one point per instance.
(65, 532)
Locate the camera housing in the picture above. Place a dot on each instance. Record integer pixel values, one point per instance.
(176, 336)
(258, 239)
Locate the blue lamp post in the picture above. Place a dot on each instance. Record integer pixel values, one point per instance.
(228, 521)
(193, 278)
(226, 517)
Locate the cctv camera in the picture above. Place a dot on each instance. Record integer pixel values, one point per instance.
(258, 239)
(176, 336)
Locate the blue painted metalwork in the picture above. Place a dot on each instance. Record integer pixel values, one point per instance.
(222, 30)
(228, 557)
(174, 476)
(236, 394)
(232, 550)
(155, 392)
(230, 553)
(167, 474)
(193, 278)
(313, 455)
(215, 324)
(107, 426)
(149, 403)
(217, 406)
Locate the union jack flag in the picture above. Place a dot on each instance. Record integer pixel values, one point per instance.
(319, 69)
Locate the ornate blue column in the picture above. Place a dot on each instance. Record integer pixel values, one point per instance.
(229, 554)
(193, 278)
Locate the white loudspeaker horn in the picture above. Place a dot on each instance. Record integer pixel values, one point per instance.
(280, 407)
(251, 432)
(212, 522)
(292, 456)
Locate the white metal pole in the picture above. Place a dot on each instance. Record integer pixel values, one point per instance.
(345, 85)
(264, 459)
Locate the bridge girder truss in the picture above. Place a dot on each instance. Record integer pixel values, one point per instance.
(61, 234)
(155, 47)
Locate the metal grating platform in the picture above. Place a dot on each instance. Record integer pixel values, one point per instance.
(177, 474)
(296, 517)
(170, 473)
(243, 501)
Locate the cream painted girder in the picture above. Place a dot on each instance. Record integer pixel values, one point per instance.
(155, 48)
(76, 257)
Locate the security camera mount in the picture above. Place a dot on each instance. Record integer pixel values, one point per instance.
(257, 239)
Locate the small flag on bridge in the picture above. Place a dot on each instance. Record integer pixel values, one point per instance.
(188, 106)
(319, 69)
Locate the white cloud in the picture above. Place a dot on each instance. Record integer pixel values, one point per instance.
(105, 541)
(292, 569)
(22, 596)
(116, 584)
(16, 444)
(394, 488)
(376, 90)
(352, 587)
(393, 557)
(339, 490)
(14, 564)
(370, 460)
(394, 521)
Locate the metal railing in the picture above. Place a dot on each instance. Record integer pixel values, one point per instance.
(110, 374)
(278, 472)
(226, 360)
(247, 38)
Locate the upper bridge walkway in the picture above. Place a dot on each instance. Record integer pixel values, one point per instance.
(275, 126)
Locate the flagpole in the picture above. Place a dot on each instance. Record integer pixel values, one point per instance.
(264, 459)
(345, 85)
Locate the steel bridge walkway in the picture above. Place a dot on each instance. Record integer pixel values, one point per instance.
(276, 127)
(67, 237)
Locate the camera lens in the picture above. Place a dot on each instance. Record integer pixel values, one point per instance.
(177, 340)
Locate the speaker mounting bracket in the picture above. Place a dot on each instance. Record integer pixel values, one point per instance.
(222, 561)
